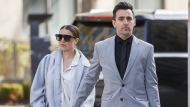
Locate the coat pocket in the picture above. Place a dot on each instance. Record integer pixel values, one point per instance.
(106, 97)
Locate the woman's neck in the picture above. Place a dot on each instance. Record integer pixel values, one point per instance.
(68, 54)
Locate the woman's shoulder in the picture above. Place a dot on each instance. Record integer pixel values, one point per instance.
(49, 56)
(53, 54)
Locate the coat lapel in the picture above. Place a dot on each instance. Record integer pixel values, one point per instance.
(79, 72)
(76, 80)
(111, 56)
(134, 52)
(77, 77)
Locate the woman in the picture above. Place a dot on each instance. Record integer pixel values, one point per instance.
(59, 74)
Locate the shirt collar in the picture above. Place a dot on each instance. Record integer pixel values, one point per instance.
(128, 40)
(118, 39)
(75, 59)
(74, 62)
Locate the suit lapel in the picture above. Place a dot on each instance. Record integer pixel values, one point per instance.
(134, 52)
(111, 56)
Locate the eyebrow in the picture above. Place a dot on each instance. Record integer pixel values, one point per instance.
(124, 17)
(121, 17)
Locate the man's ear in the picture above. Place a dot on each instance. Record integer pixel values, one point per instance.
(134, 21)
(113, 23)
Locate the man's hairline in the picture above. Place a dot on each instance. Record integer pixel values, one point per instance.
(123, 9)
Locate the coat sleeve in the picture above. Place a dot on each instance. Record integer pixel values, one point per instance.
(151, 80)
(37, 92)
(89, 80)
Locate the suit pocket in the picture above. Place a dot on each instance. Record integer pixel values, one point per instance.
(141, 97)
(106, 97)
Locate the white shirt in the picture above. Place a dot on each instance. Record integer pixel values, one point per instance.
(66, 80)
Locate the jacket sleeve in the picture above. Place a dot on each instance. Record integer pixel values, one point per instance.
(89, 102)
(37, 92)
(151, 80)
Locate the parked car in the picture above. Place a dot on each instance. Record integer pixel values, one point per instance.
(166, 30)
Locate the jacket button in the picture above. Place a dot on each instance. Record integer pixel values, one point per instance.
(123, 85)
(121, 99)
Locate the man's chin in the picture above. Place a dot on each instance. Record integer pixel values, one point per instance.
(127, 34)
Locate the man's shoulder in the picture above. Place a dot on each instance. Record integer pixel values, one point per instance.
(105, 41)
(144, 43)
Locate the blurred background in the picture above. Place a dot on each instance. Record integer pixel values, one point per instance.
(28, 26)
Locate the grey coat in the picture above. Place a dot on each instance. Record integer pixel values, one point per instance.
(46, 86)
(138, 88)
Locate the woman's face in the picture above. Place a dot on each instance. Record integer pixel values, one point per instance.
(70, 45)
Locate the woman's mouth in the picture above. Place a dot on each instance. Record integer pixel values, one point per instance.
(62, 45)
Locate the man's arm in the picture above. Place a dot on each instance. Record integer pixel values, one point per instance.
(151, 80)
(89, 102)
(89, 80)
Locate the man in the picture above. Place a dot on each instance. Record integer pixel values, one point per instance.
(127, 64)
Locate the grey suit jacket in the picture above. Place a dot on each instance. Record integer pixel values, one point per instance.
(138, 88)
(47, 81)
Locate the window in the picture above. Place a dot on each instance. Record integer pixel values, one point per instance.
(168, 35)
(90, 34)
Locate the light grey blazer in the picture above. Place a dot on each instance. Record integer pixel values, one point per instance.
(138, 88)
(47, 81)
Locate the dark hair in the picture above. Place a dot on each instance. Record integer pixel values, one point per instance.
(122, 5)
(73, 29)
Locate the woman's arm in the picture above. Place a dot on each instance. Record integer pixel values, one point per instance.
(37, 93)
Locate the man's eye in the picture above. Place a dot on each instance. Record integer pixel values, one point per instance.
(129, 18)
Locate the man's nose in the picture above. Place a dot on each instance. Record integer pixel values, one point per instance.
(126, 21)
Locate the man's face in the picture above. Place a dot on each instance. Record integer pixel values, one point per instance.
(124, 23)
